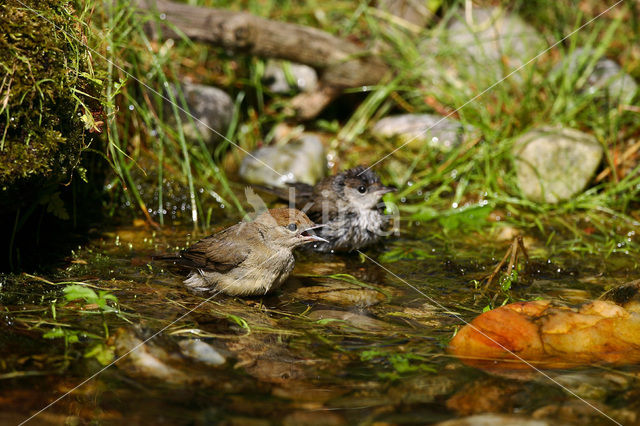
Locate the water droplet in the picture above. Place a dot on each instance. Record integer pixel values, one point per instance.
(130, 107)
(163, 16)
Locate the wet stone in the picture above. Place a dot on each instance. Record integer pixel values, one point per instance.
(300, 160)
(438, 132)
(341, 294)
(427, 314)
(211, 108)
(285, 77)
(493, 36)
(201, 351)
(484, 396)
(158, 359)
(554, 164)
(606, 76)
(577, 412)
(332, 317)
(313, 418)
(585, 385)
(496, 420)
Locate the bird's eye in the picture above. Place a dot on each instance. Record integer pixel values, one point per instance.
(362, 189)
(292, 227)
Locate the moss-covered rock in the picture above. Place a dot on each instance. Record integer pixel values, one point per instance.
(48, 94)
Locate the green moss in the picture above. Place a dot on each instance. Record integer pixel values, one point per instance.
(47, 91)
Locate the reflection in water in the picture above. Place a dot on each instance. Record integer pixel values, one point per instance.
(340, 343)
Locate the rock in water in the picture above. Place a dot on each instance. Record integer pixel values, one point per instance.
(300, 160)
(494, 35)
(211, 107)
(551, 335)
(554, 164)
(606, 76)
(439, 132)
(201, 351)
(284, 77)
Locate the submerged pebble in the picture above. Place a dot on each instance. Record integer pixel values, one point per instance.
(341, 294)
(201, 351)
(495, 420)
(333, 317)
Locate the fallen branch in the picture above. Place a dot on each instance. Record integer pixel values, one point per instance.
(341, 64)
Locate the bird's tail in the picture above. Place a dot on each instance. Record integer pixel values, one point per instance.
(167, 257)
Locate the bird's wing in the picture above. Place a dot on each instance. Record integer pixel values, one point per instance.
(220, 252)
(302, 195)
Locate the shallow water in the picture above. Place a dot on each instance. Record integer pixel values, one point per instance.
(366, 348)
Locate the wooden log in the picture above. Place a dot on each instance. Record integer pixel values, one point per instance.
(341, 64)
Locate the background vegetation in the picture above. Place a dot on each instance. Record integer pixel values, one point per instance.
(146, 151)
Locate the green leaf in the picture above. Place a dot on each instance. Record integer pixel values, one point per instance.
(54, 333)
(75, 291)
(102, 352)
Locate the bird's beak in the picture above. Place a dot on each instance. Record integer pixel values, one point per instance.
(385, 189)
(311, 237)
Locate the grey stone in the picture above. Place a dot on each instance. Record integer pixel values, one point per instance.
(300, 77)
(554, 164)
(300, 160)
(494, 35)
(439, 132)
(211, 107)
(606, 76)
(415, 12)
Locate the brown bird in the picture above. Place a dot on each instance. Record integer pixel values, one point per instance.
(348, 204)
(248, 258)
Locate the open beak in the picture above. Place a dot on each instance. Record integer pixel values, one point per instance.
(312, 237)
(385, 189)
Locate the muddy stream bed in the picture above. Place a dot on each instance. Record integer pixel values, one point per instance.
(342, 342)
